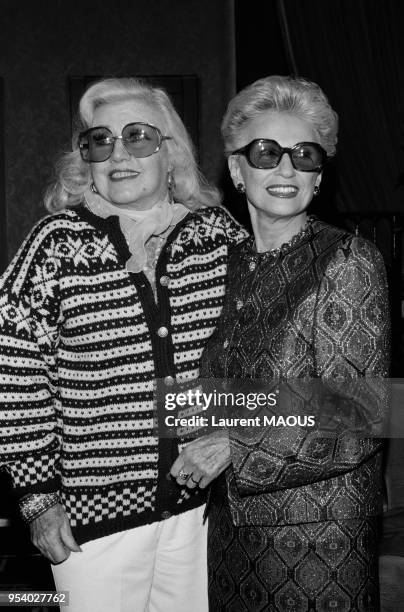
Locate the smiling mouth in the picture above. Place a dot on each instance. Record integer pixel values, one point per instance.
(282, 191)
(122, 175)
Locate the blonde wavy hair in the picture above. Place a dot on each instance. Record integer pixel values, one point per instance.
(293, 95)
(73, 175)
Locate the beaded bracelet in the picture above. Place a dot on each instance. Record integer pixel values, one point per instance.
(35, 504)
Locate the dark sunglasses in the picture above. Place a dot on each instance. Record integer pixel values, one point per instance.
(264, 154)
(139, 139)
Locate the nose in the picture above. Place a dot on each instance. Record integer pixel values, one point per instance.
(285, 166)
(119, 151)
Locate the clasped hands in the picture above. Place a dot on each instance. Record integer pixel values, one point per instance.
(202, 460)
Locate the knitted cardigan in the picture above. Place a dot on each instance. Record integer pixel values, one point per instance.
(82, 343)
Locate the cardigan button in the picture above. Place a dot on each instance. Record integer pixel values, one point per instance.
(169, 381)
(162, 332)
(165, 281)
(165, 514)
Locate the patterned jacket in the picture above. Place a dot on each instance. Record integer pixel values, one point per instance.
(82, 342)
(310, 320)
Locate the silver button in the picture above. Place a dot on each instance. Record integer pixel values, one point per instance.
(165, 514)
(165, 281)
(162, 332)
(169, 381)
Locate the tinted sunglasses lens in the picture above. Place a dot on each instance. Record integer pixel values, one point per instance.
(141, 140)
(308, 157)
(264, 153)
(96, 145)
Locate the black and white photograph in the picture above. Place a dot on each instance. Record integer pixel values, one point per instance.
(202, 305)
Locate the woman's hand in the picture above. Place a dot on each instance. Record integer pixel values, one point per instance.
(202, 460)
(51, 533)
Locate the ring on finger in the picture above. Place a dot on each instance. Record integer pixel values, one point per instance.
(183, 475)
(195, 481)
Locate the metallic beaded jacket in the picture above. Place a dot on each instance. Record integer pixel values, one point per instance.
(82, 343)
(312, 320)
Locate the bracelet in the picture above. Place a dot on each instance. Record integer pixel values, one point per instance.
(35, 504)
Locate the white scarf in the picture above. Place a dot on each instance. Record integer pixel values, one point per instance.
(138, 225)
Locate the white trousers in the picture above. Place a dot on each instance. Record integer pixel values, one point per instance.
(160, 567)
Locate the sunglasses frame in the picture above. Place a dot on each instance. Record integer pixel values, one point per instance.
(289, 150)
(81, 145)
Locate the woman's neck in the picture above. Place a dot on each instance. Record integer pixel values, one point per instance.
(271, 232)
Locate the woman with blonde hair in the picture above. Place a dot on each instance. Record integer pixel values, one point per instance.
(113, 296)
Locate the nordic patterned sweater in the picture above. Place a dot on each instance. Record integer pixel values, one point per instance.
(82, 343)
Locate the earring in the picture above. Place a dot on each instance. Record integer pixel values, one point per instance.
(240, 187)
(93, 188)
(170, 186)
(316, 190)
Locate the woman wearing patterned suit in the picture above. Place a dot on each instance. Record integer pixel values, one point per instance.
(293, 514)
(111, 296)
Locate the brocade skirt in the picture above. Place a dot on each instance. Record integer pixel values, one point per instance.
(328, 566)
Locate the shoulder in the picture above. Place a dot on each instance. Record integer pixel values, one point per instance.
(44, 241)
(344, 245)
(212, 214)
(350, 266)
(54, 224)
(328, 236)
(68, 219)
(217, 219)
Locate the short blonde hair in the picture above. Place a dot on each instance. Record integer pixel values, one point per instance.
(293, 95)
(73, 175)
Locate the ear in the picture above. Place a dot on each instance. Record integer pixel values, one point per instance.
(319, 179)
(235, 171)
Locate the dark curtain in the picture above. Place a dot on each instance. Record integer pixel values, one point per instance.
(353, 49)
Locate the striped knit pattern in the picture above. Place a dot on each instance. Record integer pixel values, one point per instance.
(80, 354)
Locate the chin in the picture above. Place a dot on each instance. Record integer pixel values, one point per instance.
(284, 211)
(125, 200)
(122, 199)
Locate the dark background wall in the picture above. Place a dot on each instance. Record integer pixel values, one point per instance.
(43, 42)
